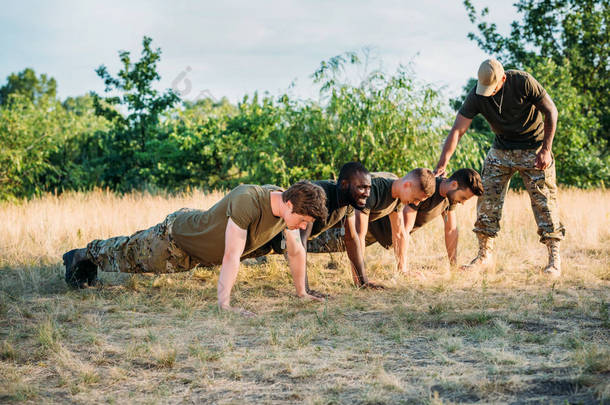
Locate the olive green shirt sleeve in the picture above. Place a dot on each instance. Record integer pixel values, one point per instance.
(349, 212)
(242, 210)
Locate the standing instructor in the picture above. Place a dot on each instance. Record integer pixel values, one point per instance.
(524, 119)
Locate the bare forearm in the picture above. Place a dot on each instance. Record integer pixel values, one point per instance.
(297, 262)
(400, 252)
(451, 243)
(226, 280)
(550, 126)
(449, 147)
(356, 257)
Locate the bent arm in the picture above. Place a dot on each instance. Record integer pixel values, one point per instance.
(549, 110)
(460, 125)
(451, 236)
(235, 243)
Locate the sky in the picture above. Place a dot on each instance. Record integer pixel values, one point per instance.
(232, 48)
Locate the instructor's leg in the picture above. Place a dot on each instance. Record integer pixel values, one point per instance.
(497, 171)
(542, 188)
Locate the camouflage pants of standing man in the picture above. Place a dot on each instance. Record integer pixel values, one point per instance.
(499, 167)
(148, 251)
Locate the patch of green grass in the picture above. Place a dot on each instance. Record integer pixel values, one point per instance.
(48, 336)
(205, 354)
(165, 357)
(7, 351)
(438, 308)
(477, 318)
(593, 358)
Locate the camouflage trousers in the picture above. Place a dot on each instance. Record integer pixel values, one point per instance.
(148, 251)
(329, 241)
(499, 167)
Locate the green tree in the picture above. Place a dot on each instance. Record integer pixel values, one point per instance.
(27, 84)
(560, 30)
(129, 159)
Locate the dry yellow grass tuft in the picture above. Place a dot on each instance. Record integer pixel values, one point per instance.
(503, 335)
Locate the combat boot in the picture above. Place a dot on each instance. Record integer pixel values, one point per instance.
(553, 269)
(79, 269)
(484, 257)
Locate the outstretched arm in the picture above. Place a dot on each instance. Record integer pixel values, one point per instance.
(297, 262)
(544, 157)
(399, 240)
(460, 126)
(409, 215)
(235, 242)
(451, 236)
(355, 252)
(362, 227)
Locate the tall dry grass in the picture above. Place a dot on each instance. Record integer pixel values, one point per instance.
(38, 231)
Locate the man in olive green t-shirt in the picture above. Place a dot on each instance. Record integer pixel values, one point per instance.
(243, 220)
(523, 118)
(460, 187)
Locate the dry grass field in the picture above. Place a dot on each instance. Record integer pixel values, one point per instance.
(505, 335)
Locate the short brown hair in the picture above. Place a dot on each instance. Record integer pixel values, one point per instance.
(425, 178)
(468, 179)
(307, 199)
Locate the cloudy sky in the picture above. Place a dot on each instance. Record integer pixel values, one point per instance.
(230, 48)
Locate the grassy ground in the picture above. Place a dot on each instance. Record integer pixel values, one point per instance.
(505, 335)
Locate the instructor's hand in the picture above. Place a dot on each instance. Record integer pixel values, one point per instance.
(543, 159)
(439, 171)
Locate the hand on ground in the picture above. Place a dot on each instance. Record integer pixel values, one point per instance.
(307, 296)
(372, 285)
(318, 294)
(239, 311)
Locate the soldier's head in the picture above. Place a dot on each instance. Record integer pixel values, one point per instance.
(491, 78)
(306, 202)
(463, 185)
(416, 186)
(354, 184)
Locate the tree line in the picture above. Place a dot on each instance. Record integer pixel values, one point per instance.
(135, 137)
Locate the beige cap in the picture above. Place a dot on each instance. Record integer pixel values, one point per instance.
(490, 73)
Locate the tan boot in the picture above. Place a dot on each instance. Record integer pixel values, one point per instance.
(484, 257)
(553, 269)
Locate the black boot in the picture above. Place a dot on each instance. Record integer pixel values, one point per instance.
(76, 275)
(90, 270)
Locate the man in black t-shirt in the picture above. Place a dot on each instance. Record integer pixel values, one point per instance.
(523, 118)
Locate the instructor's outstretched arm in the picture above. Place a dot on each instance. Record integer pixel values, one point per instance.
(456, 132)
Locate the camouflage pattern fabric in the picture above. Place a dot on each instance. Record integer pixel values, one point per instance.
(329, 241)
(499, 167)
(149, 251)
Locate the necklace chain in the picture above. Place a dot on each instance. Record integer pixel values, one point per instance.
(501, 100)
